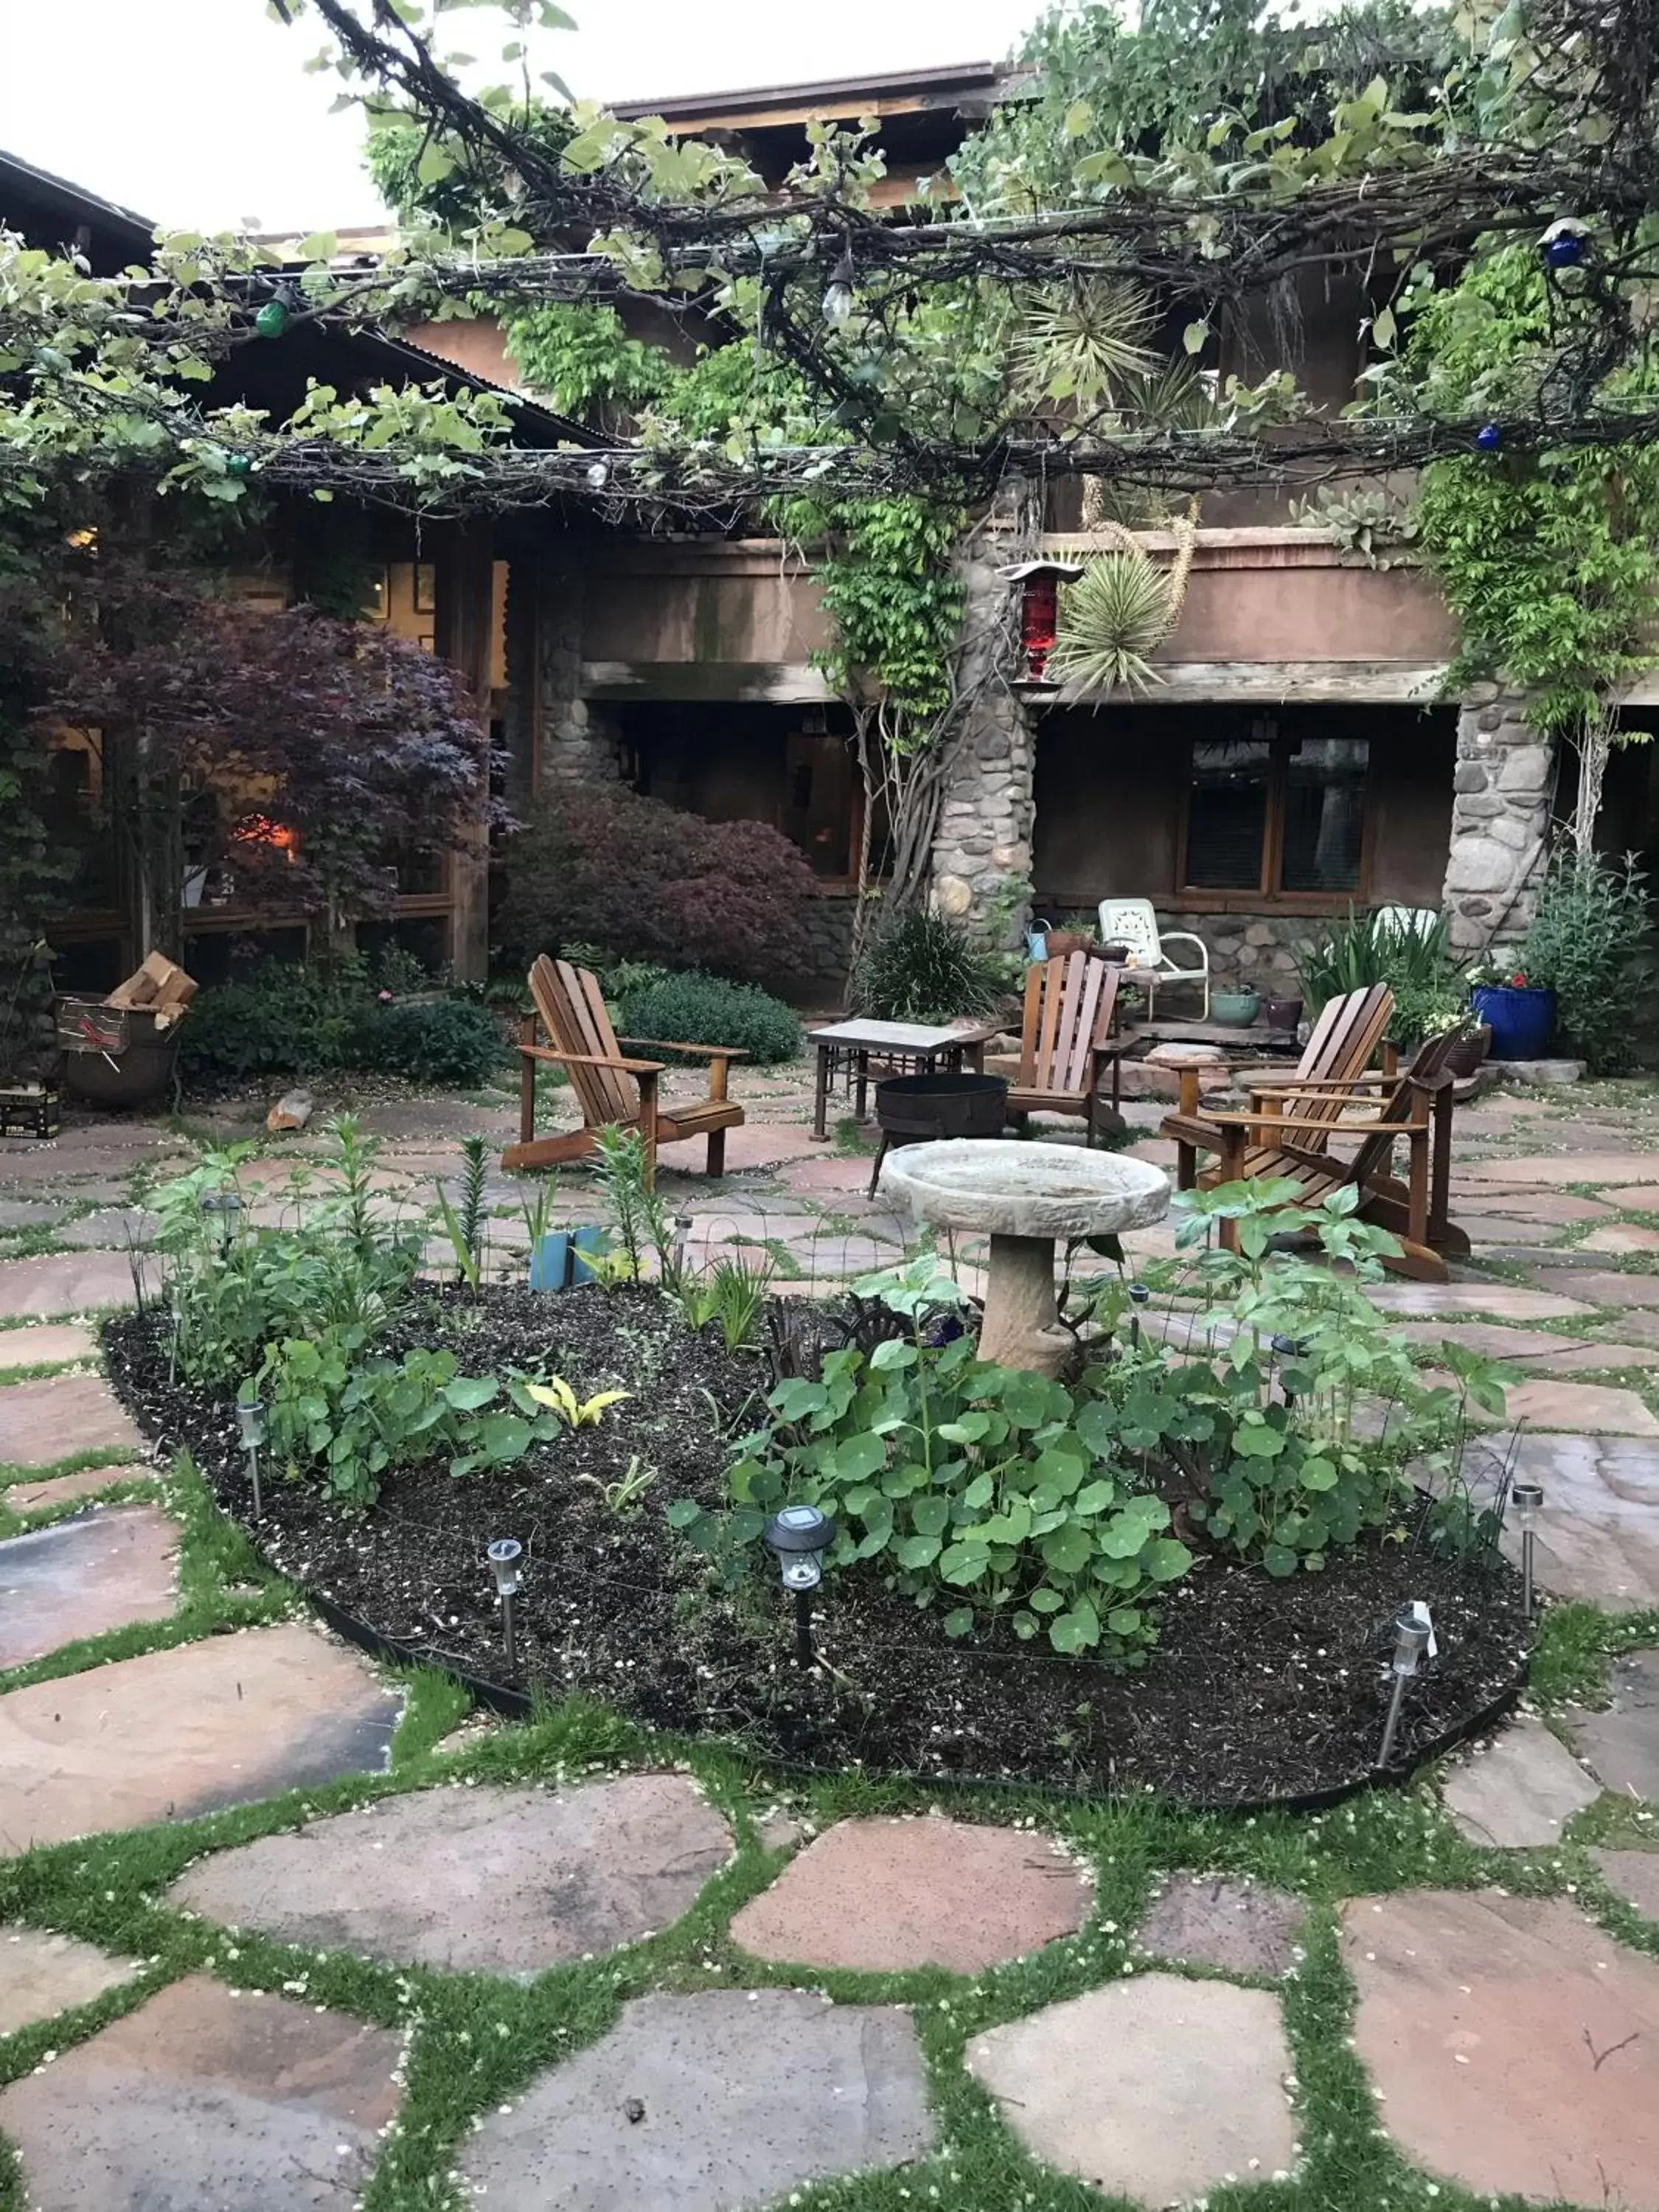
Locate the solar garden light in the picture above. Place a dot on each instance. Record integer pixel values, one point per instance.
(798, 1536)
(504, 1555)
(1413, 1636)
(1138, 1295)
(682, 1238)
(1527, 1497)
(250, 1425)
(227, 1205)
(1289, 1347)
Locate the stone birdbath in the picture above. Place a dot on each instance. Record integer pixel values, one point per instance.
(1025, 1197)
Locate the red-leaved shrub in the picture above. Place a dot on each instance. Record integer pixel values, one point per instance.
(596, 863)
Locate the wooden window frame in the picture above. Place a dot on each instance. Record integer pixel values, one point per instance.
(1268, 895)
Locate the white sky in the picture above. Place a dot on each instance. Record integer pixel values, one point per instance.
(198, 112)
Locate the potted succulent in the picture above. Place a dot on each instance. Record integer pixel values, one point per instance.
(1520, 1015)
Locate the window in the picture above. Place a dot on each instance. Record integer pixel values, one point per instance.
(1272, 814)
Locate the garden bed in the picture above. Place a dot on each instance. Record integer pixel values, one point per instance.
(1260, 1690)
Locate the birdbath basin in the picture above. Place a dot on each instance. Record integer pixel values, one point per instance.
(1025, 1197)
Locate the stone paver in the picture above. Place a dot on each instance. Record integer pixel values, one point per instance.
(1641, 1198)
(42, 1974)
(178, 1733)
(35, 1347)
(65, 1489)
(43, 1421)
(1156, 2088)
(1602, 1289)
(1622, 1236)
(84, 1578)
(1598, 1535)
(486, 1881)
(1546, 1168)
(1558, 1207)
(1590, 1408)
(1488, 1339)
(727, 2098)
(1516, 2046)
(1449, 1299)
(1520, 1794)
(1215, 1920)
(26, 1214)
(885, 1895)
(114, 1228)
(1584, 1358)
(206, 2098)
(1635, 1876)
(68, 1283)
(1621, 1744)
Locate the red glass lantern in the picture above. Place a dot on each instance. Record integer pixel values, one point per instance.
(1039, 582)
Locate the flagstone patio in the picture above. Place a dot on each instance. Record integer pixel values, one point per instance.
(1157, 2052)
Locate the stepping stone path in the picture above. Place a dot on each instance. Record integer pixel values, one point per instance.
(1451, 1299)
(84, 1578)
(1601, 1288)
(1622, 1743)
(68, 1283)
(1633, 1874)
(1516, 2046)
(1238, 1927)
(26, 1214)
(46, 1421)
(117, 1228)
(703, 2104)
(1589, 1408)
(65, 1489)
(1585, 1358)
(885, 1896)
(42, 1975)
(206, 2098)
(1598, 1535)
(1549, 1169)
(481, 1880)
(1521, 1793)
(36, 1347)
(1622, 1236)
(182, 1732)
(1154, 2089)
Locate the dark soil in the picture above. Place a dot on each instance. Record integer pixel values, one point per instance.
(1259, 1689)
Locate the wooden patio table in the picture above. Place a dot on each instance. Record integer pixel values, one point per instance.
(901, 1048)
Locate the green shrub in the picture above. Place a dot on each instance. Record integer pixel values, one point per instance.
(1588, 943)
(921, 967)
(453, 1041)
(1430, 990)
(697, 1009)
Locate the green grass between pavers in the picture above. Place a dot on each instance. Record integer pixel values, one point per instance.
(476, 2040)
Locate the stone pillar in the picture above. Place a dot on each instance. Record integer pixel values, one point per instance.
(989, 809)
(577, 740)
(1503, 788)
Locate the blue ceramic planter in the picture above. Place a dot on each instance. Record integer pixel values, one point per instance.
(1522, 1021)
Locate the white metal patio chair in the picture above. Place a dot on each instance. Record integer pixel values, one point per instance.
(1131, 921)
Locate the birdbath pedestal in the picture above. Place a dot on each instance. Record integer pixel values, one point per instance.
(1025, 1197)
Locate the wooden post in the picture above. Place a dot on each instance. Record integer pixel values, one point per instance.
(464, 631)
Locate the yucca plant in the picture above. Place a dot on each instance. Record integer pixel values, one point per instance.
(1082, 346)
(1112, 621)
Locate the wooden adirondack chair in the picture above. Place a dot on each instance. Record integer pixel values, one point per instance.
(611, 1088)
(1065, 1042)
(1272, 1142)
(1341, 1047)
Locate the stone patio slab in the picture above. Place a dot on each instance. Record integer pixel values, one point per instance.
(59, 1415)
(83, 1577)
(178, 1733)
(1217, 1920)
(1516, 2046)
(1558, 1207)
(43, 1974)
(1547, 1169)
(1521, 1793)
(1583, 1358)
(1590, 1408)
(1635, 1876)
(26, 1213)
(52, 1340)
(1621, 1743)
(1598, 1535)
(1622, 1236)
(1488, 1339)
(1640, 1198)
(65, 1489)
(482, 1880)
(727, 2098)
(116, 1228)
(208, 2098)
(1602, 1287)
(1448, 1300)
(887, 1895)
(68, 1283)
(1154, 2089)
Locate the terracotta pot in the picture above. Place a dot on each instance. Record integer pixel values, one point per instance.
(1068, 941)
